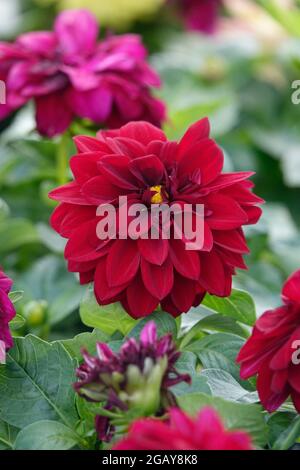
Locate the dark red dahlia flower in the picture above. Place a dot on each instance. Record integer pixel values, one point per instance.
(137, 379)
(7, 313)
(137, 161)
(272, 351)
(206, 432)
(69, 74)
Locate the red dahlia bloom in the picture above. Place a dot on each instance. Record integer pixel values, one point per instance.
(138, 378)
(271, 351)
(139, 162)
(69, 74)
(7, 313)
(206, 432)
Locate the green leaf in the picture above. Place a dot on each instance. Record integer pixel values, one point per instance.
(218, 351)
(46, 435)
(15, 295)
(239, 306)
(164, 321)
(8, 435)
(278, 423)
(235, 415)
(16, 233)
(288, 438)
(48, 280)
(107, 318)
(84, 340)
(213, 322)
(36, 383)
(223, 385)
(17, 323)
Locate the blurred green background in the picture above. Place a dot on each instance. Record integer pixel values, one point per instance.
(241, 77)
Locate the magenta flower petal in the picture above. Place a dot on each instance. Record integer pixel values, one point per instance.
(7, 313)
(49, 121)
(77, 32)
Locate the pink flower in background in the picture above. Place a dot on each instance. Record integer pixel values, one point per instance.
(69, 74)
(200, 15)
(206, 432)
(7, 313)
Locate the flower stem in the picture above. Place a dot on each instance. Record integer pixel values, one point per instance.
(62, 159)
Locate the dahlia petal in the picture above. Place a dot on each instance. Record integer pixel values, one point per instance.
(148, 334)
(204, 156)
(70, 193)
(154, 251)
(168, 306)
(212, 275)
(77, 32)
(158, 279)
(283, 357)
(104, 293)
(39, 42)
(99, 191)
(84, 245)
(47, 110)
(279, 380)
(291, 288)
(122, 262)
(296, 400)
(115, 168)
(180, 420)
(196, 132)
(186, 262)
(149, 169)
(86, 277)
(85, 166)
(66, 218)
(142, 131)
(226, 213)
(90, 144)
(183, 293)
(272, 320)
(130, 147)
(242, 194)
(82, 79)
(5, 282)
(270, 400)
(95, 104)
(140, 302)
(233, 240)
(228, 179)
(253, 214)
(235, 260)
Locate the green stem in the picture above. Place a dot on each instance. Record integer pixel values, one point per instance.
(62, 159)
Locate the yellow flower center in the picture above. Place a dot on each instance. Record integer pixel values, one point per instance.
(157, 198)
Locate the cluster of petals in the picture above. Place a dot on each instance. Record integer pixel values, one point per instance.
(139, 162)
(108, 377)
(70, 74)
(272, 351)
(181, 432)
